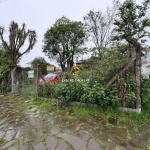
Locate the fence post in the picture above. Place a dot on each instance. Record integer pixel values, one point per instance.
(13, 90)
(37, 80)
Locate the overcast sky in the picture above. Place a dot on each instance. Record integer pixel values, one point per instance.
(40, 15)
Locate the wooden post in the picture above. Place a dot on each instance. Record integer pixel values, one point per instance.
(12, 81)
(37, 80)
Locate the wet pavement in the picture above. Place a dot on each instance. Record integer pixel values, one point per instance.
(24, 127)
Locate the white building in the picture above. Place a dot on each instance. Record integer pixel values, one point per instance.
(145, 68)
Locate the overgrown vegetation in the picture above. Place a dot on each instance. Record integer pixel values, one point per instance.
(82, 92)
(145, 94)
(96, 93)
(111, 116)
(2, 141)
(114, 69)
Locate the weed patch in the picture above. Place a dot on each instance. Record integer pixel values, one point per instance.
(121, 117)
(81, 111)
(46, 105)
(2, 141)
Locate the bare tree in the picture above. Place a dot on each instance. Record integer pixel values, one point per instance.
(99, 26)
(17, 38)
(12, 49)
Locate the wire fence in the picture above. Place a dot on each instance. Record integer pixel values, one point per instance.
(31, 87)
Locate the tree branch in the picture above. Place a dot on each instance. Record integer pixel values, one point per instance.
(123, 69)
(5, 45)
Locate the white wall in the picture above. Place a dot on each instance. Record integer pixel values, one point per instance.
(145, 70)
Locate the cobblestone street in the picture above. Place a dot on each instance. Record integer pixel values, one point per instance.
(23, 127)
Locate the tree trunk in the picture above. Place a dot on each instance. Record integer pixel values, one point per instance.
(68, 65)
(138, 77)
(71, 62)
(63, 67)
(124, 68)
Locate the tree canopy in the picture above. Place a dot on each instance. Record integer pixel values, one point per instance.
(63, 40)
(132, 25)
(42, 64)
(132, 22)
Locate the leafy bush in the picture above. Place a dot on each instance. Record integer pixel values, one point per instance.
(47, 90)
(77, 91)
(127, 90)
(100, 95)
(4, 88)
(68, 92)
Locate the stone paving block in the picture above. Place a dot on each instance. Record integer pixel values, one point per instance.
(9, 135)
(61, 146)
(69, 128)
(2, 126)
(77, 143)
(11, 128)
(54, 130)
(47, 128)
(12, 148)
(19, 133)
(138, 144)
(57, 120)
(34, 123)
(93, 145)
(25, 128)
(120, 147)
(19, 122)
(8, 144)
(23, 138)
(24, 147)
(33, 137)
(83, 134)
(40, 146)
(2, 134)
(51, 142)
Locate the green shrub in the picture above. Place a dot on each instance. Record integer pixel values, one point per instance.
(93, 95)
(4, 88)
(67, 92)
(130, 87)
(100, 95)
(47, 90)
(81, 92)
(77, 91)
